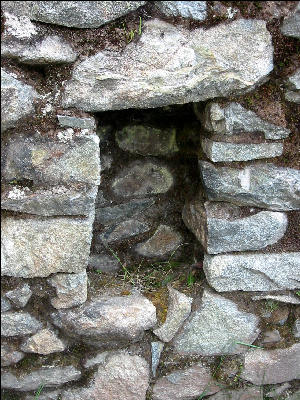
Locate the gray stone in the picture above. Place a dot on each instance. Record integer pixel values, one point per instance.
(156, 350)
(43, 342)
(76, 122)
(17, 100)
(123, 230)
(108, 321)
(292, 92)
(142, 179)
(179, 309)
(271, 337)
(99, 358)
(45, 395)
(259, 185)
(234, 119)
(283, 298)
(224, 152)
(50, 201)
(100, 201)
(121, 212)
(104, 263)
(47, 50)
(68, 159)
(216, 327)
(291, 24)
(295, 396)
(9, 354)
(253, 272)
(39, 247)
(187, 384)
(296, 328)
(219, 230)
(278, 391)
(71, 289)
(18, 26)
(20, 296)
(50, 377)
(122, 377)
(146, 140)
(5, 305)
(172, 65)
(163, 242)
(186, 9)
(106, 162)
(247, 393)
(272, 366)
(18, 324)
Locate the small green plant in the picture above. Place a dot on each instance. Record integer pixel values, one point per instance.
(38, 392)
(249, 345)
(131, 33)
(271, 305)
(190, 279)
(99, 271)
(298, 293)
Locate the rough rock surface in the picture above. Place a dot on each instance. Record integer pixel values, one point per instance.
(121, 377)
(156, 350)
(20, 296)
(186, 9)
(45, 395)
(17, 100)
(219, 228)
(185, 384)
(273, 366)
(226, 152)
(112, 321)
(43, 342)
(104, 263)
(296, 328)
(215, 328)
(259, 185)
(234, 119)
(39, 247)
(291, 24)
(5, 305)
(170, 65)
(248, 393)
(18, 324)
(271, 337)
(141, 179)
(9, 354)
(50, 376)
(292, 92)
(76, 122)
(283, 298)
(123, 230)
(146, 140)
(97, 359)
(276, 392)
(77, 14)
(178, 310)
(164, 241)
(71, 289)
(254, 271)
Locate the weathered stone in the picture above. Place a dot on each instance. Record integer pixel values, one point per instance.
(219, 229)
(43, 342)
(71, 289)
(9, 354)
(121, 212)
(108, 321)
(254, 271)
(280, 315)
(271, 337)
(141, 179)
(122, 377)
(273, 366)
(76, 122)
(283, 298)
(278, 391)
(68, 159)
(292, 92)
(296, 328)
(5, 305)
(39, 247)
(216, 327)
(291, 24)
(171, 65)
(259, 185)
(18, 324)
(49, 376)
(106, 162)
(164, 241)
(248, 393)
(104, 263)
(185, 384)
(234, 119)
(18, 26)
(224, 152)
(100, 201)
(20, 296)
(99, 358)
(17, 100)
(45, 395)
(123, 230)
(51, 201)
(47, 50)
(146, 140)
(186, 9)
(156, 350)
(178, 310)
(295, 396)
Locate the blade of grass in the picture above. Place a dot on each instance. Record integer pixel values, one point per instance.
(249, 345)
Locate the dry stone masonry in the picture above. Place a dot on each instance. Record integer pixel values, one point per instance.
(150, 200)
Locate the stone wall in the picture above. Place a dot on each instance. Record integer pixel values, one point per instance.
(150, 200)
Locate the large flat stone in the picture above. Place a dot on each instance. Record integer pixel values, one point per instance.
(186, 9)
(17, 100)
(18, 324)
(262, 367)
(291, 24)
(220, 229)
(123, 230)
(43, 342)
(108, 321)
(38, 247)
(215, 328)
(259, 185)
(253, 272)
(171, 65)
